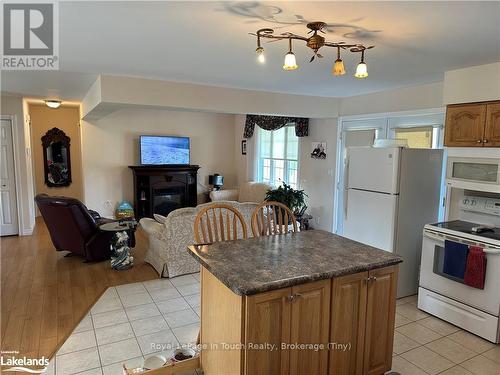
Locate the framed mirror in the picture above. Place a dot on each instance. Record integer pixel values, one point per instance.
(56, 155)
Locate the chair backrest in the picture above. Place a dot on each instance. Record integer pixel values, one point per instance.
(69, 222)
(218, 222)
(270, 218)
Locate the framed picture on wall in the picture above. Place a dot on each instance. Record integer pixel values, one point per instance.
(244, 147)
(318, 150)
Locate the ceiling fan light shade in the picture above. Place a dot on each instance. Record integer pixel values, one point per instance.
(290, 61)
(260, 55)
(53, 103)
(361, 70)
(338, 68)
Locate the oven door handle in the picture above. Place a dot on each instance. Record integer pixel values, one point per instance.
(488, 249)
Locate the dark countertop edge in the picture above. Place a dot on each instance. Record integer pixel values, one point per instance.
(294, 281)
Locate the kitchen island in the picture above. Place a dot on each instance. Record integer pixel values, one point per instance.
(302, 303)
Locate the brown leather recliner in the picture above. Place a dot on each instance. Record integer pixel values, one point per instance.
(75, 228)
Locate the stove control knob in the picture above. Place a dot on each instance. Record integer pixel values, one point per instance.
(473, 202)
(466, 201)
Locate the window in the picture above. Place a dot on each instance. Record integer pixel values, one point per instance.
(277, 156)
(420, 137)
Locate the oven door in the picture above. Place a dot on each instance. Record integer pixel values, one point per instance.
(433, 278)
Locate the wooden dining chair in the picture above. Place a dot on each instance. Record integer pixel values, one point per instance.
(270, 218)
(218, 222)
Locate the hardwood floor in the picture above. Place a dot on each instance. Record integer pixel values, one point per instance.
(44, 294)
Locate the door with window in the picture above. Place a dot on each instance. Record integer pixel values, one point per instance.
(278, 156)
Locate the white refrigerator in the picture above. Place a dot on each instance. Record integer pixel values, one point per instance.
(391, 194)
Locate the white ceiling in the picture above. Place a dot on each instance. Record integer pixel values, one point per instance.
(208, 43)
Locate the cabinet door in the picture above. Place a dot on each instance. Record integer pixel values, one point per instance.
(267, 322)
(465, 125)
(380, 313)
(310, 324)
(348, 324)
(492, 129)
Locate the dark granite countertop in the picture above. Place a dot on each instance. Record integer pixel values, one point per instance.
(266, 263)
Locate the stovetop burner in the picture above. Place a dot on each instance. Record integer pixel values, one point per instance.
(466, 227)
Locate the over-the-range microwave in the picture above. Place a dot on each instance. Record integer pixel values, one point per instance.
(471, 173)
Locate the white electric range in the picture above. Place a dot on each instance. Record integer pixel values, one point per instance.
(447, 297)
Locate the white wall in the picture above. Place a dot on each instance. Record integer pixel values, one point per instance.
(405, 99)
(317, 177)
(110, 145)
(473, 84)
(13, 106)
(112, 92)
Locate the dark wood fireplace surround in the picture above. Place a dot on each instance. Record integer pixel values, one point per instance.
(162, 189)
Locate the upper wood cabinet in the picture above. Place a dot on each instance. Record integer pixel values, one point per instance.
(473, 125)
(465, 125)
(492, 128)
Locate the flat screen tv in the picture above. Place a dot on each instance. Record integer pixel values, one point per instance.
(163, 150)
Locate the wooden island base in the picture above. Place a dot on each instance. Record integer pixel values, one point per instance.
(352, 316)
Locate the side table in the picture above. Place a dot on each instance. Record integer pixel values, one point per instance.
(119, 246)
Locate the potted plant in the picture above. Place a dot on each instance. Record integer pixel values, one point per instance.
(293, 199)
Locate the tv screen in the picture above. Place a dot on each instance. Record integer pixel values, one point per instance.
(159, 150)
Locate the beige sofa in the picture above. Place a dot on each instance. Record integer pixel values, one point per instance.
(247, 192)
(169, 238)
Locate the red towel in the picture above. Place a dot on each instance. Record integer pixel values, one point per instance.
(475, 270)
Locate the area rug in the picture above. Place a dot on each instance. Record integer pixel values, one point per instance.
(129, 323)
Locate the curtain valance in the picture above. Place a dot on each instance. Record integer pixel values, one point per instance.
(275, 123)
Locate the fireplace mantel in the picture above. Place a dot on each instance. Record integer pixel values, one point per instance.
(164, 188)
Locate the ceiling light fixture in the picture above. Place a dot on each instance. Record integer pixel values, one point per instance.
(314, 42)
(362, 68)
(290, 60)
(338, 65)
(53, 103)
(260, 52)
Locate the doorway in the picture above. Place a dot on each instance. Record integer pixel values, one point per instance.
(8, 197)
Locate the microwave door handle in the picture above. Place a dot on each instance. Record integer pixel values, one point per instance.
(489, 249)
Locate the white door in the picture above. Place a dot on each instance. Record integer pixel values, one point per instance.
(370, 218)
(373, 169)
(8, 205)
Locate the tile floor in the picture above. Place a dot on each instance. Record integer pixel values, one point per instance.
(130, 322)
(126, 322)
(425, 345)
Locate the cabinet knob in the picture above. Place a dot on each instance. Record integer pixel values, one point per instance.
(371, 278)
(293, 297)
(479, 141)
(485, 141)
